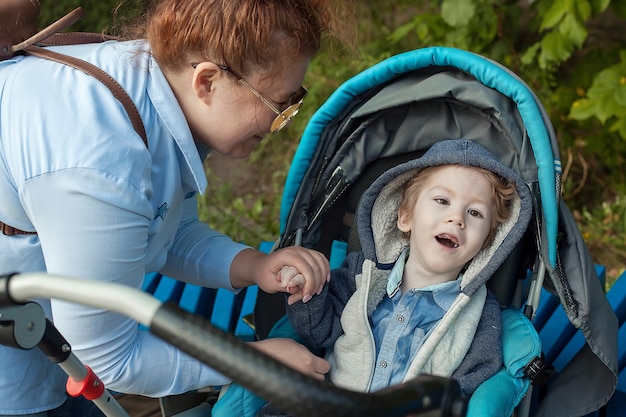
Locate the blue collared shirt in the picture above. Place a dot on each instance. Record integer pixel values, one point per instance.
(106, 208)
(401, 323)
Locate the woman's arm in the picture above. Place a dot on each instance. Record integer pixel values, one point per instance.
(91, 226)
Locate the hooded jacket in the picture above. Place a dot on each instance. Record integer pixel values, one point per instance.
(465, 344)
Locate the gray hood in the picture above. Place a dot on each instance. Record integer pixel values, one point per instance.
(382, 241)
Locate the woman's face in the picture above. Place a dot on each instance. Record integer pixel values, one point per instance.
(230, 118)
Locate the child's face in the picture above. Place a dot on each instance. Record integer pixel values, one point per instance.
(449, 222)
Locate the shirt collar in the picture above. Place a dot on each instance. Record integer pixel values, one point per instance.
(444, 293)
(174, 120)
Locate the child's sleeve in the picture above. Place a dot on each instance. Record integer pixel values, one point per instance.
(317, 321)
(484, 358)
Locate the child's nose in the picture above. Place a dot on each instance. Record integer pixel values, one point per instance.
(456, 218)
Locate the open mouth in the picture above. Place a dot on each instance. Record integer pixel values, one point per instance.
(447, 240)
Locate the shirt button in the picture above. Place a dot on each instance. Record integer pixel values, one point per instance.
(383, 364)
(400, 319)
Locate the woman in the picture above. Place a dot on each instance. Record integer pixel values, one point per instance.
(88, 199)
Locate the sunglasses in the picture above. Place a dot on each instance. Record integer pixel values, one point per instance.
(283, 117)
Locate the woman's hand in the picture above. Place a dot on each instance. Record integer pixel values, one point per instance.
(294, 355)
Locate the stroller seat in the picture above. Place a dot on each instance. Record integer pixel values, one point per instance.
(396, 110)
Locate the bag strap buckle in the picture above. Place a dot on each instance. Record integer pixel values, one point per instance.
(539, 371)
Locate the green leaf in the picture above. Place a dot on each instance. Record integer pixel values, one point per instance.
(598, 6)
(555, 47)
(574, 30)
(605, 109)
(422, 30)
(529, 55)
(257, 207)
(457, 12)
(620, 127)
(605, 83)
(582, 109)
(620, 93)
(583, 10)
(401, 32)
(619, 8)
(553, 15)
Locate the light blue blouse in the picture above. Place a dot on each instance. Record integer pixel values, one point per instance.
(105, 208)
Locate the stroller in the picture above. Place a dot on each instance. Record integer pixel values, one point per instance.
(384, 116)
(394, 112)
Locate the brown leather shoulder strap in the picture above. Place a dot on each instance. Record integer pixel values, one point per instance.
(88, 68)
(76, 38)
(117, 90)
(50, 36)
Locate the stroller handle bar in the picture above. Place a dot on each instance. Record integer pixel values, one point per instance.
(287, 389)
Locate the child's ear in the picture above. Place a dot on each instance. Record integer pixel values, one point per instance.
(404, 221)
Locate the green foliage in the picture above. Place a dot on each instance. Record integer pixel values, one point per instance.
(606, 98)
(604, 228)
(249, 218)
(100, 16)
(572, 53)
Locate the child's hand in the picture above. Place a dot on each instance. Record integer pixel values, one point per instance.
(293, 283)
(294, 269)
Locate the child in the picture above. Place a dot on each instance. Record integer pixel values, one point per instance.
(433, 231)
(414, 299)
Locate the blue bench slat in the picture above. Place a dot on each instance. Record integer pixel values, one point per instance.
(194, 300)
(337, 253)
(601, 271)
(548, 304)
(169, 289)
(621, 380)
(560, 339)
(242, 329)
(151, 282)
(220, 316)
(266, 246)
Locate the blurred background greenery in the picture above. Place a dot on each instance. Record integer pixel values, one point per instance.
(572, 53)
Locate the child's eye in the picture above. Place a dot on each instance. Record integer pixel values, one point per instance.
(475, 213)
(440, 200)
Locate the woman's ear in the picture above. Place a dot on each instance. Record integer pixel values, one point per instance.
(404, 221)
(204, 77)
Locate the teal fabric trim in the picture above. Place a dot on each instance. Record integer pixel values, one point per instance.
(500, 394)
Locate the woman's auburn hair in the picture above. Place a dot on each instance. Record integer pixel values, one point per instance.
(242, 34)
